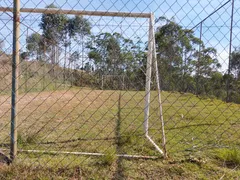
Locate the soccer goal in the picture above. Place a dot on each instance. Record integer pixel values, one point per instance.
(113, 81)
(114, 70)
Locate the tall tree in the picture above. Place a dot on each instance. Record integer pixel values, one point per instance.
(75, 27)
(74, 57)
(115, 55)
(34, 45)
(235, 63)
(175, 47)
(1, 45)
(206, 62)
(105, 52)
(53, 27)
(78, 29)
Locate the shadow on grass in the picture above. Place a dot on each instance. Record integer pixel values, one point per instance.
(119, 174)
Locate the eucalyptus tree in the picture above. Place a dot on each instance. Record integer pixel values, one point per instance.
(79, 30)
(176, 47)
(233, 79)
(1, 45)
(235, 63)
(34, 45)
(105, 52)
(206, 67)
(53, 28)
(112, 53)
(115, 55)
(76, 27)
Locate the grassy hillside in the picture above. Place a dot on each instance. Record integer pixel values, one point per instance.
(36, 76)
(5, 72)
(202, 136)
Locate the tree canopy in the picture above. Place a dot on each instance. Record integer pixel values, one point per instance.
(185, 63)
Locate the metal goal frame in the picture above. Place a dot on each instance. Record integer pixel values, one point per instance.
(151, 65)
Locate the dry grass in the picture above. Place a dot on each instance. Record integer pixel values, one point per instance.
(88, 120)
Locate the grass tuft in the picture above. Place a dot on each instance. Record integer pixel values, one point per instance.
(231, 157)
(27, 139)
(108, 158)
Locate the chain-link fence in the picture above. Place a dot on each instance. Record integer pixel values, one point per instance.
(119, 89)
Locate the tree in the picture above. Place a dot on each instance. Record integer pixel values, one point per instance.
(74, 27)
(206, 62)
(175, 48)
(34, 45)
(113, 55)
(74, 57)
(235, 63)
(105, 51)
(79, 26)
(1, 45)
(217, 85)
(54, 28)
(232, 79)
(205, 65)
(88, 67)
(180, 61)
(78, 29)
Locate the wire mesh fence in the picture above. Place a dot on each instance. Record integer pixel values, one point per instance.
(111, 88)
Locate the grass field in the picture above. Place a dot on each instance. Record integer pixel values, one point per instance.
(202, 136)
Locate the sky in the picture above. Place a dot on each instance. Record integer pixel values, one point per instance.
(188, 13)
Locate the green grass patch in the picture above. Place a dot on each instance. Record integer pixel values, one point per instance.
(108, 158)
(96, 121)
(229, 157)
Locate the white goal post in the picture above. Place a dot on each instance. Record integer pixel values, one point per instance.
(108, 77)
(151, 58)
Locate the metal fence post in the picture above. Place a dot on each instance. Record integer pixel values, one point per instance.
(15, 77)
(230, 53)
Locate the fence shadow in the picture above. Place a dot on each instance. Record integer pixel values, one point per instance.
(119, 174)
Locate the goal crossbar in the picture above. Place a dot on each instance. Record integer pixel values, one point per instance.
(78, 12)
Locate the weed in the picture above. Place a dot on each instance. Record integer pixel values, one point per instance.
(108, 158)
(231, 157)
(25, 139)
(127, 139)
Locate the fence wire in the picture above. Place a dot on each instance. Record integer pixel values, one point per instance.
(83, 76)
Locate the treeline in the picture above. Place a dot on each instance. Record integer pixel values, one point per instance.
(187, 65)
(116, 62)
